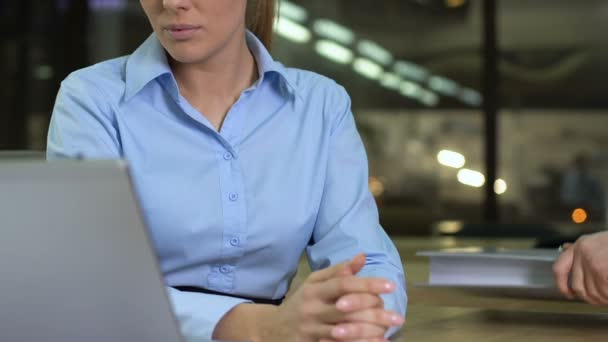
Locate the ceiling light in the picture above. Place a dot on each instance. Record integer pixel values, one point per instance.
(444, 86)
(451, 159)
(410, 89)
(500, 186)
(390, 81)
(292, 11)
(332, 30)
(367, 68)
(375, 52)
(428, 98)
(334, 52)
(411, 71)
(292, 31)
(471, 178)
(471, 97)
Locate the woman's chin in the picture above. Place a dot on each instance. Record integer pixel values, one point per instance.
(187, 56)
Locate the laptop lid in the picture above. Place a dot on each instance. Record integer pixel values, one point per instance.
(76, 262)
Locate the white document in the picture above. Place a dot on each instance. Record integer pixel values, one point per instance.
(519, 272)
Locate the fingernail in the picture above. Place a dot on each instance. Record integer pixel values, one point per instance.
(343, 304)
(339, 332)
(396, 319)
(389, 286)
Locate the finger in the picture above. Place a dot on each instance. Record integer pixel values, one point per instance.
(602, 289)
(357, 263)
(375, 339)
(359, 301)
(335, 288)
(341, 269)
(379, 317)
(566, 245)
(578, 280)
(561, 272)
(591, 287)
(317, 331)
(354, 331)
(593, 295)
(329, 314)
(346, 268)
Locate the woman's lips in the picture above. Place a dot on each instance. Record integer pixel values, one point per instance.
(181, 32)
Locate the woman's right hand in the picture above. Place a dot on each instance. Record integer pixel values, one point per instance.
(311, 313)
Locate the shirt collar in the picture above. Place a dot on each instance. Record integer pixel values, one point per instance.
(149, 62)
(266, 64)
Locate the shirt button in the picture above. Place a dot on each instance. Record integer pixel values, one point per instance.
(234, 241)
(228, 156)
(233, 196)
(225, 269)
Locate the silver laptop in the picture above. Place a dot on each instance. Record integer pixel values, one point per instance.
(76, 263)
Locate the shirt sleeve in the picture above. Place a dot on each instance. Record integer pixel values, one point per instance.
(83, 123)
(348, 222)
(83, 126)
(198, 313)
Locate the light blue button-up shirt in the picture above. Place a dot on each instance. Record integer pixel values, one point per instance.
(232, 211)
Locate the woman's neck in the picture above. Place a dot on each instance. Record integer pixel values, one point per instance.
(212, 86)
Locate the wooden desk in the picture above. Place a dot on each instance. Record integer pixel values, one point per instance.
(454, 315)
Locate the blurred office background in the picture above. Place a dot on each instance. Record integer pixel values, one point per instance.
(468, 130)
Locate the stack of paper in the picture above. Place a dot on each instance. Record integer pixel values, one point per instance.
(508, 271)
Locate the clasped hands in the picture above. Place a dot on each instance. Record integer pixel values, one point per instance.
(333, 305)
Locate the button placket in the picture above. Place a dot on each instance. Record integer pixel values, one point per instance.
(232, 189)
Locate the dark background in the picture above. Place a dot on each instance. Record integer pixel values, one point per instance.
(539, 66)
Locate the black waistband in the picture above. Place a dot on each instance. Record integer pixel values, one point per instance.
(255, 300)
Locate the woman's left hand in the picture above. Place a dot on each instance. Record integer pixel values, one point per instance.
(364, 309)
(368, 309)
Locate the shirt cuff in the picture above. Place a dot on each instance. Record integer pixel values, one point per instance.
(198, 313)
(395, 301)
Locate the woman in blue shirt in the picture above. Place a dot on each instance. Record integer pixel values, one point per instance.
(240, 165)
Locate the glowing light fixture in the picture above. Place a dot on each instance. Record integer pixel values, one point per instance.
(390, 81)
(44, 72)
(411, 71)
(332, 30)
(444, 86)
(451, 159)
(455, 3)
(292, 31)
(471, 97)
(579, 216)
(471, 178)
(500, 186)
(367, 68)
(375, 52)
(376, 187)
(410, 89)
(428, 98)
(334, 52)
(292, 11)
(450, 227)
